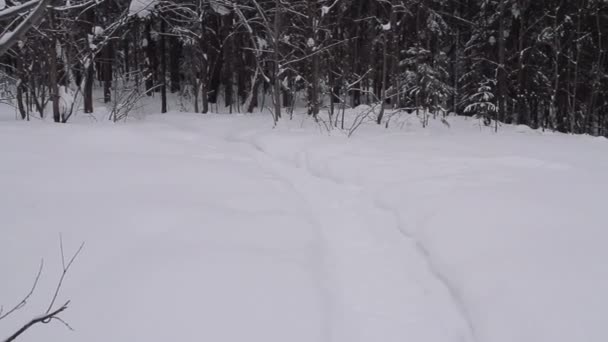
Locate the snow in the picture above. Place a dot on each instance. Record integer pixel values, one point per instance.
(98, 30)
(141, 8)
(310, 42)
(325, 10)
(219, 8)
(221, 228)
(66, 99)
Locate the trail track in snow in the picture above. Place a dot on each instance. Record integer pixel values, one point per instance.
(379, 283)
(347, 212)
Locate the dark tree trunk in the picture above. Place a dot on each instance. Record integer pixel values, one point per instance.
(107, 73)
(53, 70)
(276, 56)
(88, 88)
(176, 52)
(125, 47)
(21, 87)
(228, 66)
(151, 61)
(163, 67)
(502, 72)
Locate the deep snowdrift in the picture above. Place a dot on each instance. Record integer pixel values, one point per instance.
(220, 228)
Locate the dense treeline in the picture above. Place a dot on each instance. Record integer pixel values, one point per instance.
(540, 63)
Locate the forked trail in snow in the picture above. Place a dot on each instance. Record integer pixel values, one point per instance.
(368, 259)
(223, 229)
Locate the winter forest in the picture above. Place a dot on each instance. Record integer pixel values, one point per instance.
(536, 63)
(303, 170)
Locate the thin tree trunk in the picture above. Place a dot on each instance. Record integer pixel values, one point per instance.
(204, 69)
(502, 75)
(88, 66)
(175, 54)
(163, 67)
(384, 79)
(151, 62)
(314, 77)
(107, 73)
(276, 65)
(53, 70)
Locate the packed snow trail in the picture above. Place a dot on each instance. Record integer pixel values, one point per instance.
(371, 260)
(380, 284)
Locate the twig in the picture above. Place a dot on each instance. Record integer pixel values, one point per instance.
(50, 314)
(65, 271)
(42, 319)
(23, 302)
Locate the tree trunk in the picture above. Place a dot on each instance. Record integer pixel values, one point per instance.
(522, 111)
(384, 73)
(20, 87)
(125, 47)
(175, 53)
(88, 87)
(204, 69)
(107, 73)
(276, 63)
(53, 70)
(314, 77)
(151, 61)
(502, 74)
(163, 67)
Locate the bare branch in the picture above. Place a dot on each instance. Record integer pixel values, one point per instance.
(64, 272)
(10, 38)
(47, 317)
(23, 302)
(15, 10)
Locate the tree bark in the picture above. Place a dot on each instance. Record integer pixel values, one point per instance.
(175, 53)
(53, 70)
(276, 63)
(163, 67)
(502, 74)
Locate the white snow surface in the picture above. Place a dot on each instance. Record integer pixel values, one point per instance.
(142, 8)
(221, 228)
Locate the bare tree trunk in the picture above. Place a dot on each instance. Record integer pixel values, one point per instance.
(88, 87)
(151, 62)
(125, 48)
(175, 53)
(228, 66)
(554, 107)
(276, 62)
(196, 90)
(163, 67)
(502, 74)
(20, 88)
(204, 70)
(107, 73)
(573, 109)
(53, 70)
(89, 63)
(393, 52)
(523, 117)
(384, 79)
(314, 77)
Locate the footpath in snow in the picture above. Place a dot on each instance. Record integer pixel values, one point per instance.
(221, 228)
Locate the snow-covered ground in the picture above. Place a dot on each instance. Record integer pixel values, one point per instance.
(221, 228)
